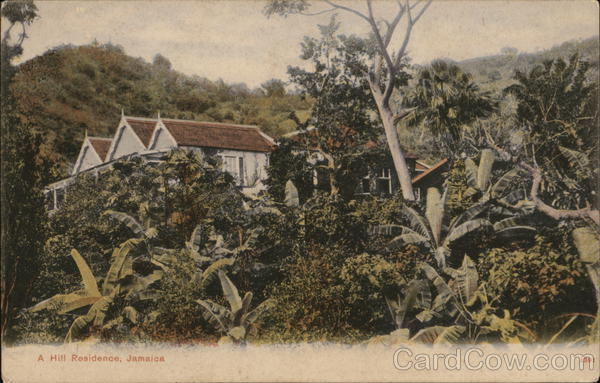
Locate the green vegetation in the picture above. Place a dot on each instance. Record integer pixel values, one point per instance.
(70, 89)
(506, 250)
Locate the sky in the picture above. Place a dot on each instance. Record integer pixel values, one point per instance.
(235, 41)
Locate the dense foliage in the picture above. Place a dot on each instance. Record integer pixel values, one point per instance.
(174, 252)
(69, 90)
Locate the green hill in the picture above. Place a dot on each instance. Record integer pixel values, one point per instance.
(69, 90)
(496, 72)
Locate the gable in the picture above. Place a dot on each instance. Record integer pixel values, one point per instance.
(126, 142)
(162, 139)
(87, 158)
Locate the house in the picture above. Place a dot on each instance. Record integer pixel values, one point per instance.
(381, 180)
(244, 150)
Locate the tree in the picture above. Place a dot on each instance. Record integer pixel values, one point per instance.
(286, 163)
(161, 62)
(340, 125)
(23, 176)
(557, 107)
(385, 71)
(445, 100)
(273, 88)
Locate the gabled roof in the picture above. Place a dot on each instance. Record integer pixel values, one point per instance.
(218, 135)
(100, 145)
(433, 170)
(421, 166)
(143, 127)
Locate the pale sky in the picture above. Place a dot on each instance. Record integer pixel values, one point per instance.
(234, 41)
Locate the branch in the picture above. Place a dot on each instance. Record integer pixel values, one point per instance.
(421, 11)
(337, 6)
(392, 26)
(536, 175)
(586, 212)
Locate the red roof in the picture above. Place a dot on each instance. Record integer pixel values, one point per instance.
(421, 166)
(431, 170)
(143, 128)
(217, 135)
(101, 145)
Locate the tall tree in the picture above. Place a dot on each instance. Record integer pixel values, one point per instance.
(23, 176)
(445, 100)
(341, 113)
(558, 109)
(385, 69)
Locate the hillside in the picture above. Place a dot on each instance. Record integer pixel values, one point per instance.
(69, 90)
(496, 72)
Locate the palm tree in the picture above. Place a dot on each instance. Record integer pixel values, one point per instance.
(445, 99)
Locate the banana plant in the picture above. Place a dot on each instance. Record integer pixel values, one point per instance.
(431, 230)
(144, 230)
(119, 280)
(479, 178)
(235, 321)
(438, 231)
(461, 300)
(587, 242)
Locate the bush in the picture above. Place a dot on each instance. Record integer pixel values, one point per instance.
(538, 283)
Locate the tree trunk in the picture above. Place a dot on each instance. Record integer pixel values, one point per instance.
(333, 184)
(394, 144)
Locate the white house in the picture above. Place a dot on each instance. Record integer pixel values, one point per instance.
(244, 150)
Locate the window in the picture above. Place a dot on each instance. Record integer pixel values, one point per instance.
(241, 171)
(366, 185)
(50, 199)
(60, 197)
(235, 167)
(384, 181)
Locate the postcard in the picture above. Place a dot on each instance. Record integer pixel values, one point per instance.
(300, 191)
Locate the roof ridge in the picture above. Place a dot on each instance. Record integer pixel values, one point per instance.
(100, 138)
(140, 118)
(212, 122)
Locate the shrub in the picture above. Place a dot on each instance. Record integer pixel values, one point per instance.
(540, 282)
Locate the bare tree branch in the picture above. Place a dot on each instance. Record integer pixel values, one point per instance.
(334, 5)
(537, 177)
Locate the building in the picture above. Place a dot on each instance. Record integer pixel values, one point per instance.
(243, 149)
(381, 180)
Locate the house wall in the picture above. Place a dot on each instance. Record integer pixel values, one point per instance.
(254, 169)
(127, 143)
(163, 140)
(88, 159)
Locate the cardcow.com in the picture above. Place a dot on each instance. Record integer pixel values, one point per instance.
(476, 359)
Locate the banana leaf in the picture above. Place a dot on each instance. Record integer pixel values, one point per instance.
(127, 220)
(439, 335)
(417, 222)
(64, 303)
(230, 292)
(215, 314)
(89, 281)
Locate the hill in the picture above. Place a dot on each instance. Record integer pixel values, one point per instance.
(496, 72)
(70, 89)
